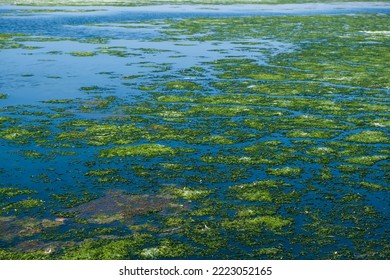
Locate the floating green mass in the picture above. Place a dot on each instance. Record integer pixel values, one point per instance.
(257, 191)
(11, 192)
(182, 85)
(22, 205)
(311, 134)
(369, 136)
(285, 171)
(114, 51)
(23, 135)
(367, 160)
(257, 223)
(145, 150)
(82, 53)
(373, 186)
(190, 193)
(167, 249)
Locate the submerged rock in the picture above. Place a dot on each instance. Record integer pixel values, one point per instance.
(119, 205)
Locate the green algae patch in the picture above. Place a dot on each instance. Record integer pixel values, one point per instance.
(257, 191)
(106, 249)
(144, 150)
(23, 205)
(285, 171)
(321, 151)
(167, 249)
(182, 85)
(14, 133)
(174, 99)
(369, 136)
(320, 134)
(21, 135)
(11, 192)
(102, 172)
(8, 41)
(32, 154)
(367, 160)
(373, 186)
(82, 54)
(256, 224)
(218, 139)
(229, 159)
(114, 51)
(102, 134)
(255, 195)
(190, 193)
(58, 101)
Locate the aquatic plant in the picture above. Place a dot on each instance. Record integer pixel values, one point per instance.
(369, 136)
(190, 193)
(285, 171)
(82, 54)
(145, 150)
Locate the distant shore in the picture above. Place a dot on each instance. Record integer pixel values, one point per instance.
(159, 2)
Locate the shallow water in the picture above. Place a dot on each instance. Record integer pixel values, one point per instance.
(195, 132)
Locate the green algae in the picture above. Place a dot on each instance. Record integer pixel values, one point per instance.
(103, 134)
(321, 151)
(257, 191)
(218, 139)
(255, 195)
(369, 136)
(144, 150)
(14, 255)
(108, 249)
(114, 51)
(15, 133)
(11, 192)
(82, 54)
(7, 41)
(322, 134)
(166, 249)
(182, 85)
(24, 135)
(174, 98)
(22, 205)
(258, 223)
(285, 171)
(32, 154)
(367, 160)
(190, 193)
(102, 172)
(373, 186)
(58, 101)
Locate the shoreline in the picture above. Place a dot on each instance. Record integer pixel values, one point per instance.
(144, 3)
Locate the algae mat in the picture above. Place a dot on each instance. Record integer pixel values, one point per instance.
(205, 135)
